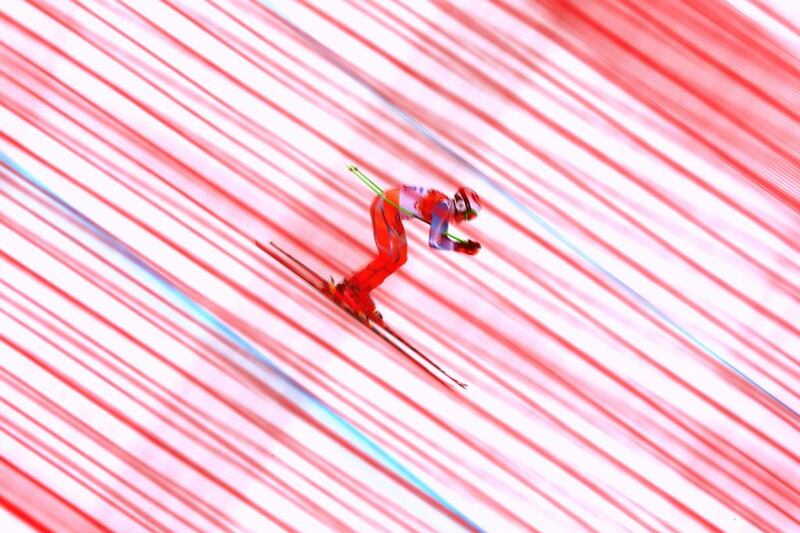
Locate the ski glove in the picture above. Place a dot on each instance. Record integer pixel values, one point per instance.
(469, 247)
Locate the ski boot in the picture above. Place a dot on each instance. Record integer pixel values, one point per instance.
(346, 297)
(366, 308)
(361, 305)
(367, 305)
(377, 318)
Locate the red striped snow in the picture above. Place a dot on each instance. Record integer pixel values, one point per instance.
(660, 141)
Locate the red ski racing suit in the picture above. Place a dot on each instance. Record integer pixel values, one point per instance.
(390, 237)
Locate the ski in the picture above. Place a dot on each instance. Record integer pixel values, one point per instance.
(386, 333)
(424, 357)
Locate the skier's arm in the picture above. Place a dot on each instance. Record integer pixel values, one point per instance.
(438, 238)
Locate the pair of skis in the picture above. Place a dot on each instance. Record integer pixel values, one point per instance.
(384, 331)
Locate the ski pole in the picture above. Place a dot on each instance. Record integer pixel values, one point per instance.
(377, 190)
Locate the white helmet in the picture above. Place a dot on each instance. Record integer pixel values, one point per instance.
(467, 202)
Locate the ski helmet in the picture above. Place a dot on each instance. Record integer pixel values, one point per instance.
(467, 202)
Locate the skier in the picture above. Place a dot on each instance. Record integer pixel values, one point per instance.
(388, 212)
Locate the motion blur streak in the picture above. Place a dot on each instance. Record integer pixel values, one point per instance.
(661, 142)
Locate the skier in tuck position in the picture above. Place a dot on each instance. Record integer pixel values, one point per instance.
(388, 212)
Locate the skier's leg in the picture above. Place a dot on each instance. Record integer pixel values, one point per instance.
(393, 262)
(390, 239)
(365, 276)
(349, 290)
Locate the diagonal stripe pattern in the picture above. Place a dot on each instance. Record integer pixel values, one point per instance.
(660, 143)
